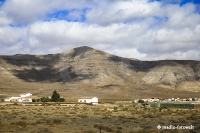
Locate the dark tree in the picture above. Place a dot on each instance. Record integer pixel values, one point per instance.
(55, 96)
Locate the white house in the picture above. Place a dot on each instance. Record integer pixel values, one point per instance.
(92, 100)
(154, 100)
(23, 98)
(9, 99)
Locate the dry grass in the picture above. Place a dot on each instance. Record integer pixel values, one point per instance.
(90, 119)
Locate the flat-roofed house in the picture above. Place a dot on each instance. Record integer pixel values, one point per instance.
(7, 99)
(92, 100)
(11, 99)
(22, 98)
(27, 99)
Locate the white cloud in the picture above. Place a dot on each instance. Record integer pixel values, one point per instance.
(123, 11)
(129, 28)
(127, 53)
(11, 35)
(4, 20)
(55, 50)
(23, 11)
(75, 15)
(178, 55)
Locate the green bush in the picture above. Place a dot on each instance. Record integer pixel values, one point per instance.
(61, 100)
(45, 99)
(33, 100)
(140, 101)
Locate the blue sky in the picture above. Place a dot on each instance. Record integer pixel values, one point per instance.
(143, 29)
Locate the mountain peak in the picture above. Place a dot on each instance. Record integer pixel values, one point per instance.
(83, 49)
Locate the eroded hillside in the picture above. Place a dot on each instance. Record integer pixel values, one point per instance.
(86, 71)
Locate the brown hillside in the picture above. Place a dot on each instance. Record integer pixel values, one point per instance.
(85, 71)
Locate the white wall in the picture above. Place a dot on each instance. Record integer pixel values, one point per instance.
(7, 99)
(93, 100)
(25, 99)
(85, 100)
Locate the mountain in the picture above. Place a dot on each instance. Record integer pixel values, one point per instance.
(85, 71)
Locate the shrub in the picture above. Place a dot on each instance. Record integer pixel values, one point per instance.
(45, 99)
(82, 116)
(72, 112)
(108, 129)
(19, 123)
(160, 109)
(33, 100)
(141, 101)
(57, 121)
(61, 100)
(89, 132)
(118, 131)
(125, 109)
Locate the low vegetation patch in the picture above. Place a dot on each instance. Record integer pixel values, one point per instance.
(115, 119)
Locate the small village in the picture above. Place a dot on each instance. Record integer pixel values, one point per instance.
(191, 103)
(27, 112)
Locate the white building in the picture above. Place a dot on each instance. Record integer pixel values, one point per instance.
(23, 98)
(154, 100)
(11, 99)
(92, 100)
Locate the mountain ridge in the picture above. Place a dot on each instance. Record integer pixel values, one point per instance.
(85, 70)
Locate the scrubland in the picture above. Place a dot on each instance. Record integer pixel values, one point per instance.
(90, 119)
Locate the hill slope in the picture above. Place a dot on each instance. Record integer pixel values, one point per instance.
(85, 71)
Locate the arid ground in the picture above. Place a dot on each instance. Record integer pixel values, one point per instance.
(111, 118)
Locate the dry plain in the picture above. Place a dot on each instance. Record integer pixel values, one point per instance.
(111, 118)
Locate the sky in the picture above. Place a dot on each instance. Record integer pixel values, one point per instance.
(142, 29)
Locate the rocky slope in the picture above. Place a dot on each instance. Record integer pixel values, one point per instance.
(87, 71)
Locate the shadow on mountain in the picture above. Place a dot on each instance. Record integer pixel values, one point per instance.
(145, 66)
(33, 75)
(49, 75)
(46, 71)
(32, 60)
(41, 68)
(135, 65)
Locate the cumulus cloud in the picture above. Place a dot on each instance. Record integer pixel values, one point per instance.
(124, 11)
(4, 20)
(129, 28)
(23, 11)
